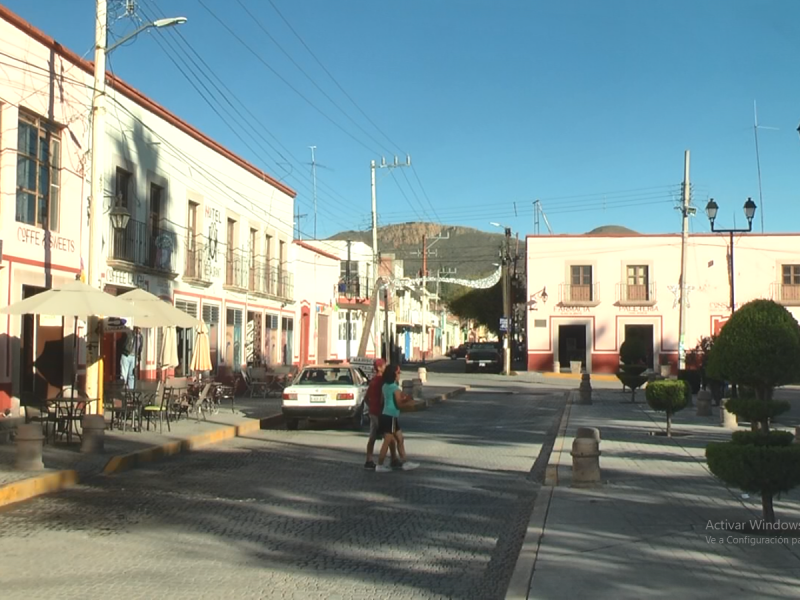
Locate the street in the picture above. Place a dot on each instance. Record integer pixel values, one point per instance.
(294, 514)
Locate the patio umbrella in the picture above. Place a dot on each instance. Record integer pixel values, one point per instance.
(169, 349)
(76, 299)
(157, 312)
(201, 358)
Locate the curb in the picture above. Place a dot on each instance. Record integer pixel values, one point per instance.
(577, 376)
(25, 489)
(519, 586)
(424, 404)
(555, 471)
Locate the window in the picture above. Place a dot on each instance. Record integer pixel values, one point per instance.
(253, 252)
(123, 187)
(281, 259)
(791, 283)
(192, 266)
(637, 284)
(230, 244)
(581, 283)
(38, 171)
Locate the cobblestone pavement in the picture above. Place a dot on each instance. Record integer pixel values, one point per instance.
(294, 515)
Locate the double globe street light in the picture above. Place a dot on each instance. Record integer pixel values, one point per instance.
(749, 212)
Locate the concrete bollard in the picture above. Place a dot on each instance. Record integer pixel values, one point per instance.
(727, 419)
(797, 435)
(585, 389)
(704, 399)
(422, 374)
(94, 431)
(416, 389)
(29, 447)
(585, 461)
(588, 432)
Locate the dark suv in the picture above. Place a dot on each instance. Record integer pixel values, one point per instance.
(484, 356)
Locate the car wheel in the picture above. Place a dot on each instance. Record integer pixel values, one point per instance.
(291, 424)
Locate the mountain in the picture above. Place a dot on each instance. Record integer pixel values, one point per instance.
(470, 251)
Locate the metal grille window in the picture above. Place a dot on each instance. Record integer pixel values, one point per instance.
(211, 314)
(638, 282)
(38, 171)
(190, 308)
(272, 321)
(287, 323)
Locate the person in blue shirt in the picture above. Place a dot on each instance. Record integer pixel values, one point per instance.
(389, 426)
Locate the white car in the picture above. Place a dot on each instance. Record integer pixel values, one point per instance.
(337, 391)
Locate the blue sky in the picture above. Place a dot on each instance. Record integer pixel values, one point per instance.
(587, 106)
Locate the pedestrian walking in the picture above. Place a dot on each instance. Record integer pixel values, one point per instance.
(393, 400)
(127, 361)
(375, 404)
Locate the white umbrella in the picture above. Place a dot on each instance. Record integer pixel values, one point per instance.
(157, 312)
(201, 357)
(75, 299)
(169, 349)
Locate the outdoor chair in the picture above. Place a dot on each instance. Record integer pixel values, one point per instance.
(70, 415)
(259, 382)
(203, 402)
(160, 408)
(179, 400)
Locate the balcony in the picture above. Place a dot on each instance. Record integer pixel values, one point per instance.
(237, 269)
(787, 294)
(270, 279)
(141, 245)
(202, 266)
(357, 288)
(579, 295)
(637, 294)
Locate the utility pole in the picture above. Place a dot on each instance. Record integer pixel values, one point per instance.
(440, 308)
(387, 344)
(314, 180)
(424, 346)
(298, 235)
(94, 358)
(348, 294)
(375, 325)
(507, 301)
(686, 210)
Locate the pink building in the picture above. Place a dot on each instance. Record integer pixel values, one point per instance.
(44, 113)
(587, 293)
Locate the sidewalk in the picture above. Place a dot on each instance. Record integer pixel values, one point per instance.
(644, 533)
(65, 465)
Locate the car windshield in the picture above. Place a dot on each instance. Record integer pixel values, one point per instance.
(483, 347)
(325, 376)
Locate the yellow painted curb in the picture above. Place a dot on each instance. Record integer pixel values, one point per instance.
(598, 377)
(25, 489)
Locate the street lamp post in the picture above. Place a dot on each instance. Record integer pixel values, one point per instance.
(507, 298)
(749, 212)
(94, 366)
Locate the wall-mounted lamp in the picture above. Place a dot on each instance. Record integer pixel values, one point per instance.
(534, 299)
(119, 215)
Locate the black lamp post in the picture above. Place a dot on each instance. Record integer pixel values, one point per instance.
(749, 212)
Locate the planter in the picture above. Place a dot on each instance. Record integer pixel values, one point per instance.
(666, 370)
(575, 366)
(633, 369)
(703, 403)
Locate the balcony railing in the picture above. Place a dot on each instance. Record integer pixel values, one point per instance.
(580, 295)
(629, 293)
(786, 293)
(357, 288)
(271, 279)
(143, 245)
(237, 267)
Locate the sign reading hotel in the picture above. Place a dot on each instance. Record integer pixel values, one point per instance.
(213, 224)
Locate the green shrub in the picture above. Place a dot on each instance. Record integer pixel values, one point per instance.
(754, 410)
(692, 377)
(758, 438)
(757, 469)
(668, 396)
(633, 351)
(759, 346)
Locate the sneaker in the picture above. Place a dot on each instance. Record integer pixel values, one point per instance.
(397, 464)
(382, 469)
(369, 465)
(409, 466)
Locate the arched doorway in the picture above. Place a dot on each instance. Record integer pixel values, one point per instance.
(305, 323)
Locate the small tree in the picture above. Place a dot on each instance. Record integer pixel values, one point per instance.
(759, 348)
(668, 396)
(633, 351)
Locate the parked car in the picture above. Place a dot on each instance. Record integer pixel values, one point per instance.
(327, 392)
(484, 356)
(459, 351)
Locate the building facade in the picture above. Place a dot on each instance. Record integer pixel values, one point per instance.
(587, 293)
(44, 135)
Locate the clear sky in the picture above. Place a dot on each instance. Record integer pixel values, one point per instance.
(588, 106)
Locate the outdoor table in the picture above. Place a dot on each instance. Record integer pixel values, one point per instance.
(68, 412)
(135, 399)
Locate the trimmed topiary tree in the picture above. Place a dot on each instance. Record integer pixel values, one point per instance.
(633, 351)
(668, 396)
(758, 348)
